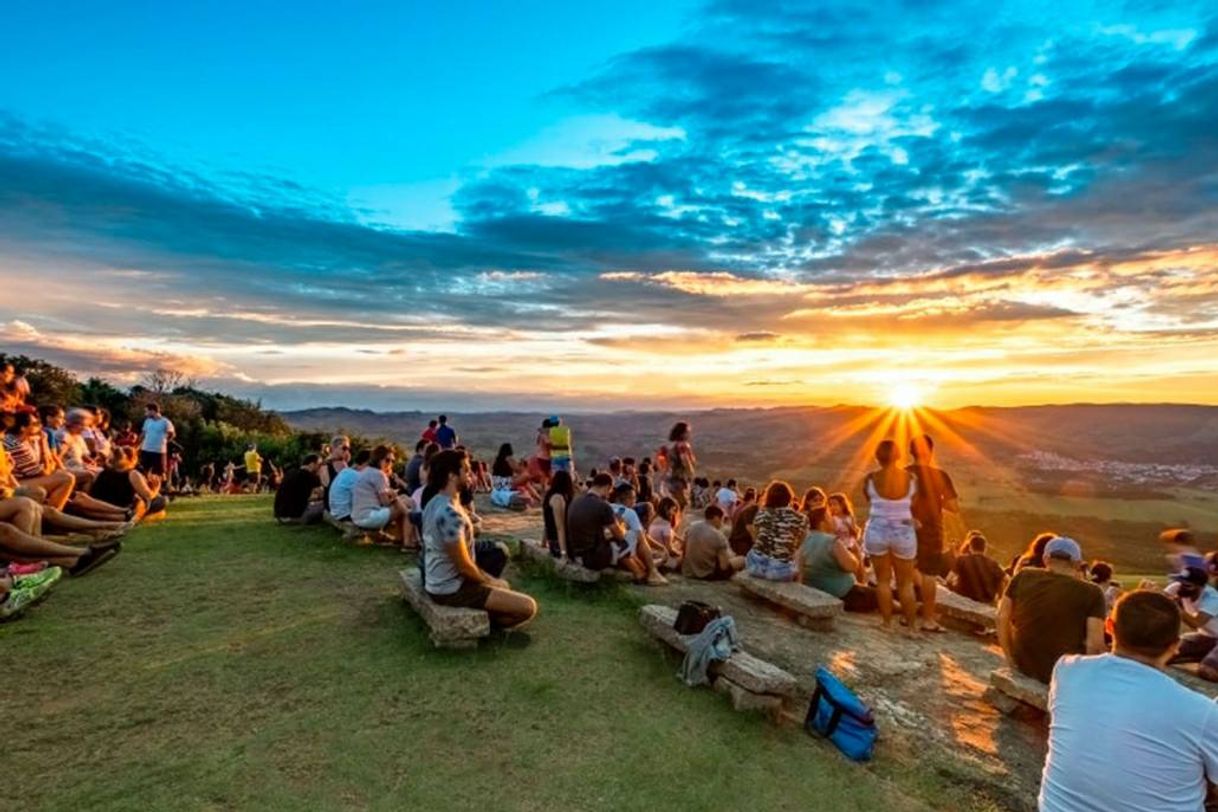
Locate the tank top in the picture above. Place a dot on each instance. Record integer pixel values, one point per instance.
(679, 467)
(114, 487)
(821, 570)
(891, 509)
(560, 442)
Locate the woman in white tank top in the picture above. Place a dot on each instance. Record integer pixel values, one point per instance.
(889, 536)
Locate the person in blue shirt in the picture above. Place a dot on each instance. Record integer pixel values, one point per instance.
(446, 437)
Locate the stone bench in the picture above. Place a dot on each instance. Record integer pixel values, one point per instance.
(567, 569)
(1010, 690)
(750, 683)
(346, 527)
(811, 607)
(449, 626)
(965, 611)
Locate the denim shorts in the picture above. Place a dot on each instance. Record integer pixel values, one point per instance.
(896, 536)
(769, 569)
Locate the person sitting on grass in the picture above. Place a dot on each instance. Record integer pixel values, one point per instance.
(342, 489)
(975, 575)
(1048, 613)
(1124, 736)
(294, 500)
(510, 482)
(21, 542)
(122, 485)
(707, 554)
(25, 443)
(829, 565)
(637, 557)
(74, 450)
(1198, 602)
(727, 497)
(451, 576)
(414, 468)
(595, 537)
(377, 506)
(665, 530)
(779, 529)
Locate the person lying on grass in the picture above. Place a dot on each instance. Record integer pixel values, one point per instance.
(451, 576)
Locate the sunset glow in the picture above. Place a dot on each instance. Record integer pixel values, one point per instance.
(696, 210)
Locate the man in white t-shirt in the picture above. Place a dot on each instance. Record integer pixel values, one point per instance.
(377, 506)
(1199, 610)
(1126, 737)
(154, 440)
(727, 497)
(635, 556)
(342, 488)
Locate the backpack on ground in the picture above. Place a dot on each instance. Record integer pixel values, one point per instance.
(841, 717)
(694, 616)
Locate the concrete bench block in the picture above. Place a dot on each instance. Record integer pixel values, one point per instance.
(965, 610)
(815, 609)
(449, 626)
(567, 569)
(1020, 687)
(745, 670)
(745, 700)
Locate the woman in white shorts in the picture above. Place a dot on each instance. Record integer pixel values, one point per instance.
(889, 536)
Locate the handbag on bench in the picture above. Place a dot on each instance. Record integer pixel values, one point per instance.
(693, 617)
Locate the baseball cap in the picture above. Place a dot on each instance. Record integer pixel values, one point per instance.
(1064, 547)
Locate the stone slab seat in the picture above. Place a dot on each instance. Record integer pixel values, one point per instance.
(565, 568)
(449, 626)
(742, 669)
(965, 610)
(814, 607)
(1011, 684)
(346, 527)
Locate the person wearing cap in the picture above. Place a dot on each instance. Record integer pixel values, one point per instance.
(1050, 612)
(1198, 602)
(1124, 736)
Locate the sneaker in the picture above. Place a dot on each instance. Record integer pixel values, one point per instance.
(94, 557)
(15, 604)
(38, 586)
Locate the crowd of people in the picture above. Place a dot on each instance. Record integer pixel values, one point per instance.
(71, 486)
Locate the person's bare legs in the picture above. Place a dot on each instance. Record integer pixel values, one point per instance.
(28, 549)
(66, 521)
(22, 513)
(647, 562)
(883, 587)
(930, 585)
(97, 509)
(58, 487)
(510, 609)
(904, 569)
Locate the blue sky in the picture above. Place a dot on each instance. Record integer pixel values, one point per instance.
(524, 204)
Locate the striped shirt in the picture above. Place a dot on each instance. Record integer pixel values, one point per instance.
(779, 531)
(26, 457)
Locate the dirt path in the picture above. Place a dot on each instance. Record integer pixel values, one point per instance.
(927, 693)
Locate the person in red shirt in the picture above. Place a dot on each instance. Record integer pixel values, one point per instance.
(429, 433)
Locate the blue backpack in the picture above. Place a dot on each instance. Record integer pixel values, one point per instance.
(841, 717)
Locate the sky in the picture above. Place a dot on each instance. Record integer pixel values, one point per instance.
(542, 205)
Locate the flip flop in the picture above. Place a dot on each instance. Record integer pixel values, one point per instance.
(935, 629)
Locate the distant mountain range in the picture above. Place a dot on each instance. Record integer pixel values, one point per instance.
(759, 442)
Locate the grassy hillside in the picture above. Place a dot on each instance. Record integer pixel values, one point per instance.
(223, 662)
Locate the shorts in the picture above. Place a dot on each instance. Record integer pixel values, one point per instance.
(374, 519)
(603, 556)
(762, 566)
(152, 462)
(895, 536)
(540, 467)
(560, 464)
(470, 595)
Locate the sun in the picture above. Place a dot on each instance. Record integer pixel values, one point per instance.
(905, 396)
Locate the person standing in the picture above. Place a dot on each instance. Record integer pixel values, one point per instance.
(429, 433)
(1124, 736)
(154, 439)
(446, 436)
(681, 463)
(562, 453)
(935, 494)
(889, 536)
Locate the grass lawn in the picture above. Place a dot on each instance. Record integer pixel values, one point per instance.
(223, 662)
